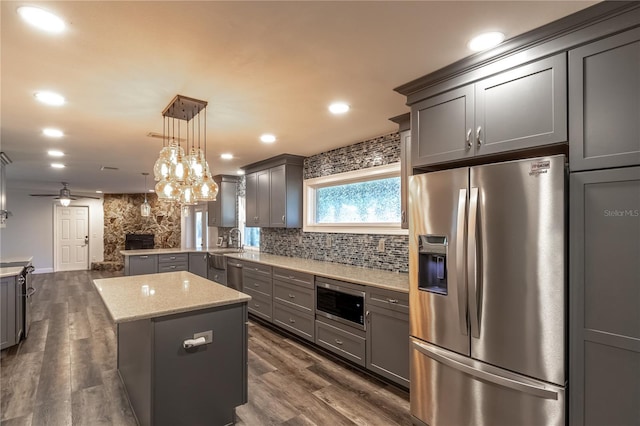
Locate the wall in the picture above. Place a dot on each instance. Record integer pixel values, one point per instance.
(122, 216)
(29, 231)
(350, 249)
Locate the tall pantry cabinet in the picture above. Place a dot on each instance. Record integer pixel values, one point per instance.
(604, 121)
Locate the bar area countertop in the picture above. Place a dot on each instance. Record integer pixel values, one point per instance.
(366, 276)
(10, 271)
(137, 297)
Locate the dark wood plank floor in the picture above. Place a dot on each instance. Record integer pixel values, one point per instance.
(65, 372)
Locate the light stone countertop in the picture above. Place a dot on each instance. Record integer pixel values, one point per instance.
(176, 250)
(16, 259)
(150, 296)
(355, 274)
(11, 271)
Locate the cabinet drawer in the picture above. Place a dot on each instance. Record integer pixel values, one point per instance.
(257, 283)
(394, 300)
(293, 277)
(172, 267)
(217, 275)
(173, 258)
(295, 296)
(259, 304)
(341, 342)
(294, 321)
(257, 269)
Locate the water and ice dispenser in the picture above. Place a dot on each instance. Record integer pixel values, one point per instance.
(432, 263)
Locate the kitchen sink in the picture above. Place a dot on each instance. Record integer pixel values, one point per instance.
(217, 257)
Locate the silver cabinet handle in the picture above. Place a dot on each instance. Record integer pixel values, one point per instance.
(21, 279)
(172, 267)
(172, 258)
(462, 283)
(469, 143)
(485, 375)
(192, 343)
(479, 136)
(368, 317)
(292, 296)
(292, 321)
(256, 285)
(472, 264)
(144, 257)
(256, 305)
(392, 300)
(339, 342)
(282, 218)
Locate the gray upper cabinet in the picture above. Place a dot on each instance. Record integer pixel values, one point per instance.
(274, 192)
(521, 108)
(223, 211)
(441, 127)
(604, 93)
(405, 172)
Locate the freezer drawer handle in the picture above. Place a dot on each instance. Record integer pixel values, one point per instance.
(489, 377)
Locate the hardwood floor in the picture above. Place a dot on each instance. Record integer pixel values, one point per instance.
(65, 373)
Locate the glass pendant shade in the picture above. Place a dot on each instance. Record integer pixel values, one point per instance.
(161, 168)
(207, 190)
(64, 202)
(187, 196)
(196, 168)
(164, 189)
(185, 211)
(145, 208)
(179, 171)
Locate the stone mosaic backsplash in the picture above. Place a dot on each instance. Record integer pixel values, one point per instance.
(122, 216)
(350, 249)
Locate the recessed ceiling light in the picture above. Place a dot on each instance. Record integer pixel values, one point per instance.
(240, 172)
(152, 190)
(42, 19)
(98, 192)
(50, 98)
(339, 108)
(53, 133)
(267, 138)
(55, 153)
(485, 41)
(226, 156)
(57, 165)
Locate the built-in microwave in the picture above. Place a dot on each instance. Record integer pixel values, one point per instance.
(339, 301)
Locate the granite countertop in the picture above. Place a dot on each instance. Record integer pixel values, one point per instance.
(150, 296)
(16, 259)
(10, 271)
(177, 250)
(355, 274)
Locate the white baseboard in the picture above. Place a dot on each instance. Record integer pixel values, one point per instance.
(43, 270)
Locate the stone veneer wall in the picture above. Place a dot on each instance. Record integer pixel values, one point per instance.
(122, 216)
(350, 249)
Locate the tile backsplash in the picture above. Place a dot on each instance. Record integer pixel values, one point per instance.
(351, 249)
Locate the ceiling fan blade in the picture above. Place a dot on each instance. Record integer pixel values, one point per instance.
(84, 196)
(44, 195)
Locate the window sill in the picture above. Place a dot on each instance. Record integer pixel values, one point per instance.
(351, 229)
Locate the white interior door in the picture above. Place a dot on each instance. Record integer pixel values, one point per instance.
(72, 242)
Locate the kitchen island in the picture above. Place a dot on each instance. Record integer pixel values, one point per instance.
(182, 346)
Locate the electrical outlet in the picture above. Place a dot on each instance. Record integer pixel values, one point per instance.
(328, 241)
(381, 245)
(300, 239)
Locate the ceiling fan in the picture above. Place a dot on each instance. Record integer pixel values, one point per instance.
(65, 195)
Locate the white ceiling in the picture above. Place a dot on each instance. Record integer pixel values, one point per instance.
(262, 66)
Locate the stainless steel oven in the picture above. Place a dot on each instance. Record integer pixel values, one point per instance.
(340, 301)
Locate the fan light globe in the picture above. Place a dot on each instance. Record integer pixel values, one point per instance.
(64, 202)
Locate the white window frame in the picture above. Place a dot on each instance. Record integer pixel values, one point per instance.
(310, 186)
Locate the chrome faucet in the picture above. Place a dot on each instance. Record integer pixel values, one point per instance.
(239, 240)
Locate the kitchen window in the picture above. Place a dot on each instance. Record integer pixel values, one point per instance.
(360, 201)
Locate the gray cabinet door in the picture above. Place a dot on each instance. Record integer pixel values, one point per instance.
(604, 90)
(198, 264)
(228, 207)
(214, 208)
(405, 172)
(278, 188)
(388, 344)
(441, 127)
(7, 312)
(263, 198)
(522, 108)
(605, 297)
(143, 264)
(251, 203)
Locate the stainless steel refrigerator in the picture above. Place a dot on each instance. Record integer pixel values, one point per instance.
(487, 265)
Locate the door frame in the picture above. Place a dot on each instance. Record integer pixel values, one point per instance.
(55, 234)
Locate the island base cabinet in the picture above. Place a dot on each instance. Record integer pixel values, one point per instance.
(170, 385)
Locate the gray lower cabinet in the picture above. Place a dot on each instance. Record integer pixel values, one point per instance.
(294, 302)
(258, 283)
(217, 275)
(170, 385)
(388, 334)
(141, 264)
(604, 107)
(173, 262)
(521, 108)
(198, 264)
(224, 211)
(9, 299)
(348, 342)
(605, 302)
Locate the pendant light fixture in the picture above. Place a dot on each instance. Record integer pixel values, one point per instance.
(145, 208)
(184, 179)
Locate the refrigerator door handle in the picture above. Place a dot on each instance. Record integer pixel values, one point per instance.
(530, 388)
(472, 264)
(462, 281)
